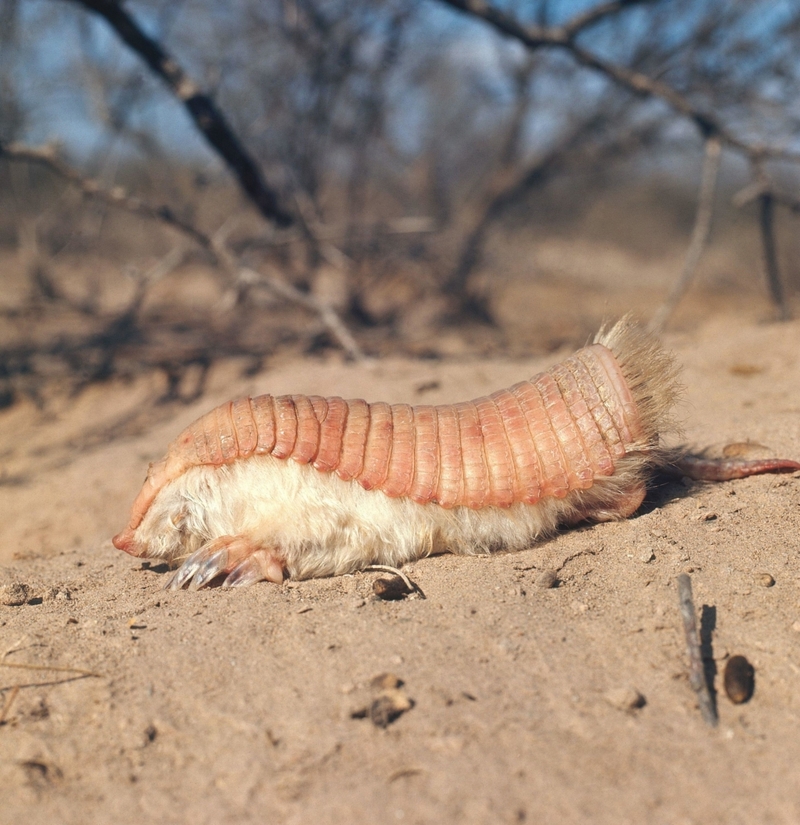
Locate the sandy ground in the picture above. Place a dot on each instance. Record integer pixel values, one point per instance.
(217, 707)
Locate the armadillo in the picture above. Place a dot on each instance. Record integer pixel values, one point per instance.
(302, 486)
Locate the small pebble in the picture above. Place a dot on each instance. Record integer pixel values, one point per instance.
(389, 701)
(547, 579)
(625, 698)
(385, 681)
(388, 706)
(766, 580)
(647, 555)
(14, 594)
(739, 679)
(796, 627)
(390, 590)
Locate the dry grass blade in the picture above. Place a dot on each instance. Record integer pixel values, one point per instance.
(12, 695)
(385, 568)
(59, 669)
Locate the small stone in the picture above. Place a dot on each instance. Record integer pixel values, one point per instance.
(625, 698)
(390, 590)
(739, 679)
(388, 706)
(385, 681)
(388, 703)
(14, 594)
(647, 555)
(796, 627)
(547, 579)
(765, 580)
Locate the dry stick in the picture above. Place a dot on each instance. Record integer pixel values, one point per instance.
(763, 186)
(640, 84)
(700, 234)
(697, 675)
(117, 196)
(766, 221)
(588, 18)
(121, 198)
(208, 119)
(278, 286)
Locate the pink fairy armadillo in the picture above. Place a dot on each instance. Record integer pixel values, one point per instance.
(307, 486)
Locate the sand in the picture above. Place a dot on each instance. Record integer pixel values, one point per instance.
(530, 703)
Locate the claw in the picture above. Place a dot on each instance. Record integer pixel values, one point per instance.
(235, 555)
(215, 564)
(187, 570)
(244, 574)
(262, 565)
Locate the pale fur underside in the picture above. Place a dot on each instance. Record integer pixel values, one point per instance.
(322, 526)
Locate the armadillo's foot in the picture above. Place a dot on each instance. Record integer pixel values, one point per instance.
(624, 506)
(243, 561)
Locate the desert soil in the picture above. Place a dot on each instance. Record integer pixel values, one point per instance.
(223, 707)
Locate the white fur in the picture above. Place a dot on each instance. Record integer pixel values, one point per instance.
(320, 525)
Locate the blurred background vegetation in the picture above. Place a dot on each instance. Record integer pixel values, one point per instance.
(447, 178)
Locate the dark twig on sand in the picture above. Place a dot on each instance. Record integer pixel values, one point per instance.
(697, 676)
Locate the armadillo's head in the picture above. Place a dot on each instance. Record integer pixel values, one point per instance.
(164, 523)
(158, 475)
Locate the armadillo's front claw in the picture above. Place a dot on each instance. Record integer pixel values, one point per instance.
(261, 566)
(187, 570)
(237, 556)
(215, 564)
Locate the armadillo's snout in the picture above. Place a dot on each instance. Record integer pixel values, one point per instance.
(125, 541)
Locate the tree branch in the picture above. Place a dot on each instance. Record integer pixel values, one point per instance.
(591, 16)
(47, 156)
(536, 37)
(700, 234)
(215, 246)
(766, 215)
(208, 119)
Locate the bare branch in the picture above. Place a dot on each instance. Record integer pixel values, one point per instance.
(207, 117)
(47, 156)
(244, 277)
(120, 198)
(767, 225)
(640, 84)
(700, 234)
(591, 16)
(762, 186)
(283, 289)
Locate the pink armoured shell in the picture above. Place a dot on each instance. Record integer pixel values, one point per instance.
(544, 437)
